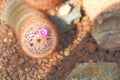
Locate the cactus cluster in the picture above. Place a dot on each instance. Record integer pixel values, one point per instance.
(36, 34)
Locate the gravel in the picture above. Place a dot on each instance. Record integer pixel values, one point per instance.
(75, 46)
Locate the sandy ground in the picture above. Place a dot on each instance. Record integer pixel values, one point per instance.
(75, 46)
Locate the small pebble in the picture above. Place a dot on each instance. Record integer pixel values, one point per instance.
(91, 47)
(5, 40)
(64, 10)
(67, 52)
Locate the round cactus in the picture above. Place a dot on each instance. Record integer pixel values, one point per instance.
(36, 34)
(43, 4)
(38, 37)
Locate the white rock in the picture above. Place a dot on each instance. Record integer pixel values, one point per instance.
(64, 10)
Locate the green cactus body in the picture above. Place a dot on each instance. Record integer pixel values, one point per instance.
(17, 12)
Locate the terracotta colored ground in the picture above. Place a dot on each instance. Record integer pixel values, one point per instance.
(76, 46)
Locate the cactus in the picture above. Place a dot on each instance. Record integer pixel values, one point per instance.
(37, 36)
(43, 4)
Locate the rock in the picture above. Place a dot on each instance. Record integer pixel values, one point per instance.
(95, 71)
(107, 34)
(72, 16)
(105, 14)
(64, 10)
(95, 8)
(67, 52)
(66, 17)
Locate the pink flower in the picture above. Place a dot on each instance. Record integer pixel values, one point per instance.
(43, 32)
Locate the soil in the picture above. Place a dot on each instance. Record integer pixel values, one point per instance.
(75, 46)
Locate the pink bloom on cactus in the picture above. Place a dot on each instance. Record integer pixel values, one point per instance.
(43, 32)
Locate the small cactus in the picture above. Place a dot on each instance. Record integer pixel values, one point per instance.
(43, 4)
(38, 37)
(36, 34)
